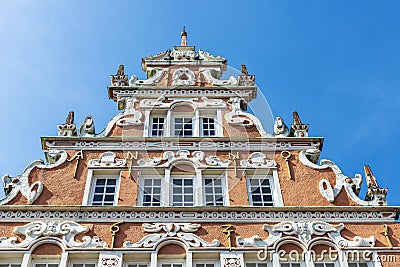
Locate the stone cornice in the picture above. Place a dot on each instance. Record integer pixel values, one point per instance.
(172, 143)
(350, 214)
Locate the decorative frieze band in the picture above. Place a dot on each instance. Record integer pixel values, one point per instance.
(272, 145)
(196, 216)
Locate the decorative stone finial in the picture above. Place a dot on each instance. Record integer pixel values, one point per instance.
(280, 128)
(69, 128)
(119, 79)
(374, 191)
(245, 79)
(183, 37)
(299, 129)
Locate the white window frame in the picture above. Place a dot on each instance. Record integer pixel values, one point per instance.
(144, 177)
(202, 125)
(10, 263)
(136, 264)
(335, 263)
(215, 262)
(276, 192)
(222, 177)
(190, 176)
(45, 261)
(302, 263)
(183, 116)
(160, 262)
(83, 261)
(369, 263)
(90, 184)
(151, 125)
(267, 263)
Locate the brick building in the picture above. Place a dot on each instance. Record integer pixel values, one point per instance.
(186, 176)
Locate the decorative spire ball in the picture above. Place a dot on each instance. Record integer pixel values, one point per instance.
(183, 37)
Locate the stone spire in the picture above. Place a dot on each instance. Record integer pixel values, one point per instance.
(183, 37)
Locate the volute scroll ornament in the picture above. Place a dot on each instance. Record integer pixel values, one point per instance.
(13, 185)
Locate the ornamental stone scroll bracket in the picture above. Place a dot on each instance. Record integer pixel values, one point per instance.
(197, 157)
(238, 117)
(107, 159)
(305, 231)
(351, 185)
(67, 230)
(258, 160)
(131, 116)
(13, 185)
(180, 231)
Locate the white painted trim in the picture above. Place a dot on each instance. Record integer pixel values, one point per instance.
(276, 189)
(218, 124)
(147, 121)
(64, 259)
(26, 260)
(86, 193)
(153, 259)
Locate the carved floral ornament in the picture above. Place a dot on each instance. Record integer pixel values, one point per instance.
(304, 231)
(67, 230)
(107, 159)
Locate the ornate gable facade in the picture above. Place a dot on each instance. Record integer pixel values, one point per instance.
(185, 175)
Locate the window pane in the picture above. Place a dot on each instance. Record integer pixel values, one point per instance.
(104, 192)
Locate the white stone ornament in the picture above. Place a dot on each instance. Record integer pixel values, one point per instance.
(305, 231)
(258, 160)
(66, 229)
(238, 117)
(351, 185)
(181, 231)
(208, 74)
(14, 185)
(216, 161)
(131, 116)
(107, 159)
(155, 78)
(183, 76)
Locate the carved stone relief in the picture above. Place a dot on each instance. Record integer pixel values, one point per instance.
(67, 230)
(14, 185)
(107, 159)
(182, 231)
(305, 231)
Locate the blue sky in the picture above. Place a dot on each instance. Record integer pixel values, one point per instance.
(336, 62)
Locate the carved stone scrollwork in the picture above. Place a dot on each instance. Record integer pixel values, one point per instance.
(87, 127)
(258, 160)
(14, 185)
(216, 161)
(183, 76)
(131, 116)
(208, 74)
(158, 73)
(305, 232)
(238, 117)
(351, 185)
(67, 230)
(171, 230)
(107, 159)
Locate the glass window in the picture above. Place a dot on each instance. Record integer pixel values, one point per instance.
(10, 265)
(183, 127)
(204, 264)
(151, 192)
(172, 265)
(256, 264)
(324, 264)
(291, 264)
(213, 193)
(358, 264)
(104, 191)
(157, 126)
(208, 127)
(83, 265)
(261, 192)
(136, 265)
(182, 192)
(46, 265)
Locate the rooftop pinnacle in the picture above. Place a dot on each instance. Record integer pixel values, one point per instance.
(183, 37)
